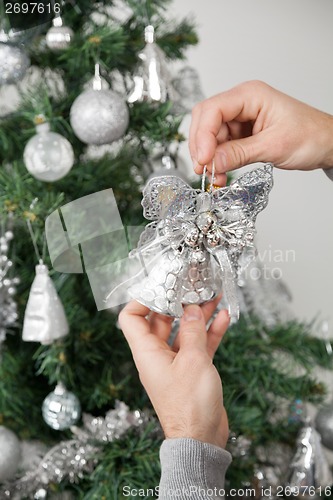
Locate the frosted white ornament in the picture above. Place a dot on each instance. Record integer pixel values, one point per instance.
(58, 36)
(48, 155)
(10, 454)
(61, 408)
(44, 319)
(98, 115)
(14, 62)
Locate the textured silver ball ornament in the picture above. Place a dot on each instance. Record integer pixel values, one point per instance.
(48, 155)
(324, 425)
(99, 116)
(10, 453)
(14, 63)
(61, 408)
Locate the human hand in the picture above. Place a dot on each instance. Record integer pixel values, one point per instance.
(181, 381)
(254, 122)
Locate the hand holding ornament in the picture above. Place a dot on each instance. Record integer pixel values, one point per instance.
(254, 122)
(181, 381)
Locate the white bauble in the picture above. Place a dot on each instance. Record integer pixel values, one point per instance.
(59, 36)
(48, 155)
(99, 116)
(14, 62)
(10, 454)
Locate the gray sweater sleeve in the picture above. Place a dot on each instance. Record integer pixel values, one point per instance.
(192, 470)
(329, 173)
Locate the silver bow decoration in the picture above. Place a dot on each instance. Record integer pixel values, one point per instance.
(197, 241)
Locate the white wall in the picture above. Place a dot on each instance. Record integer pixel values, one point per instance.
(288, 44)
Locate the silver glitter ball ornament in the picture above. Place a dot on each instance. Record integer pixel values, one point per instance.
(324, 425)
(61, 408)
(58, 36)
(10, 453)
(14, 63)
(99, 116)
(48, 155)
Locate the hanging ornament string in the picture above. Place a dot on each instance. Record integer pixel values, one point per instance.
(40, 257)
(203, 180)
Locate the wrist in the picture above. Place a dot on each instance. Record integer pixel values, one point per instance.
(328, 154)
(217, 435)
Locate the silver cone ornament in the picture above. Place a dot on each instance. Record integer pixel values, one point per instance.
(309, 467)
(44, 319)
(152, 82)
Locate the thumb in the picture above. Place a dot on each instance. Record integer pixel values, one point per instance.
(237, 153)
(192, 331)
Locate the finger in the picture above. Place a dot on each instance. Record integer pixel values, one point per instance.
(192, 331)
(242, 103)
(196, 112)
(237, 153)
(145, 346)
(160, 325)
(219, 179)
(217, 331)
(209, 307)
(239, 130)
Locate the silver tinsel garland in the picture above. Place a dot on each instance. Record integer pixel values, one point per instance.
(8, 307)
(70, 460)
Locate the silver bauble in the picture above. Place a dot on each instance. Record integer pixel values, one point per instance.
(99, 116)
(14, 62)
(48, 155)
(59, 36)
(324, 425)
(44, 319)
(10, 454)
(61, 408)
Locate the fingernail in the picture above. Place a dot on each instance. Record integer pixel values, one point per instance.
(192, 313)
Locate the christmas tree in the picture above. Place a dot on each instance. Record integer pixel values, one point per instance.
(87, 121)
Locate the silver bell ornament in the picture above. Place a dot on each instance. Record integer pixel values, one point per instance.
(192, 247)
(10, 454)
(58, 36)
(48, 156)
(309, 468)
(61, 408)
(187, 84)
(44, 319)
(152, 81)
(14, 61)
(98, 115)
